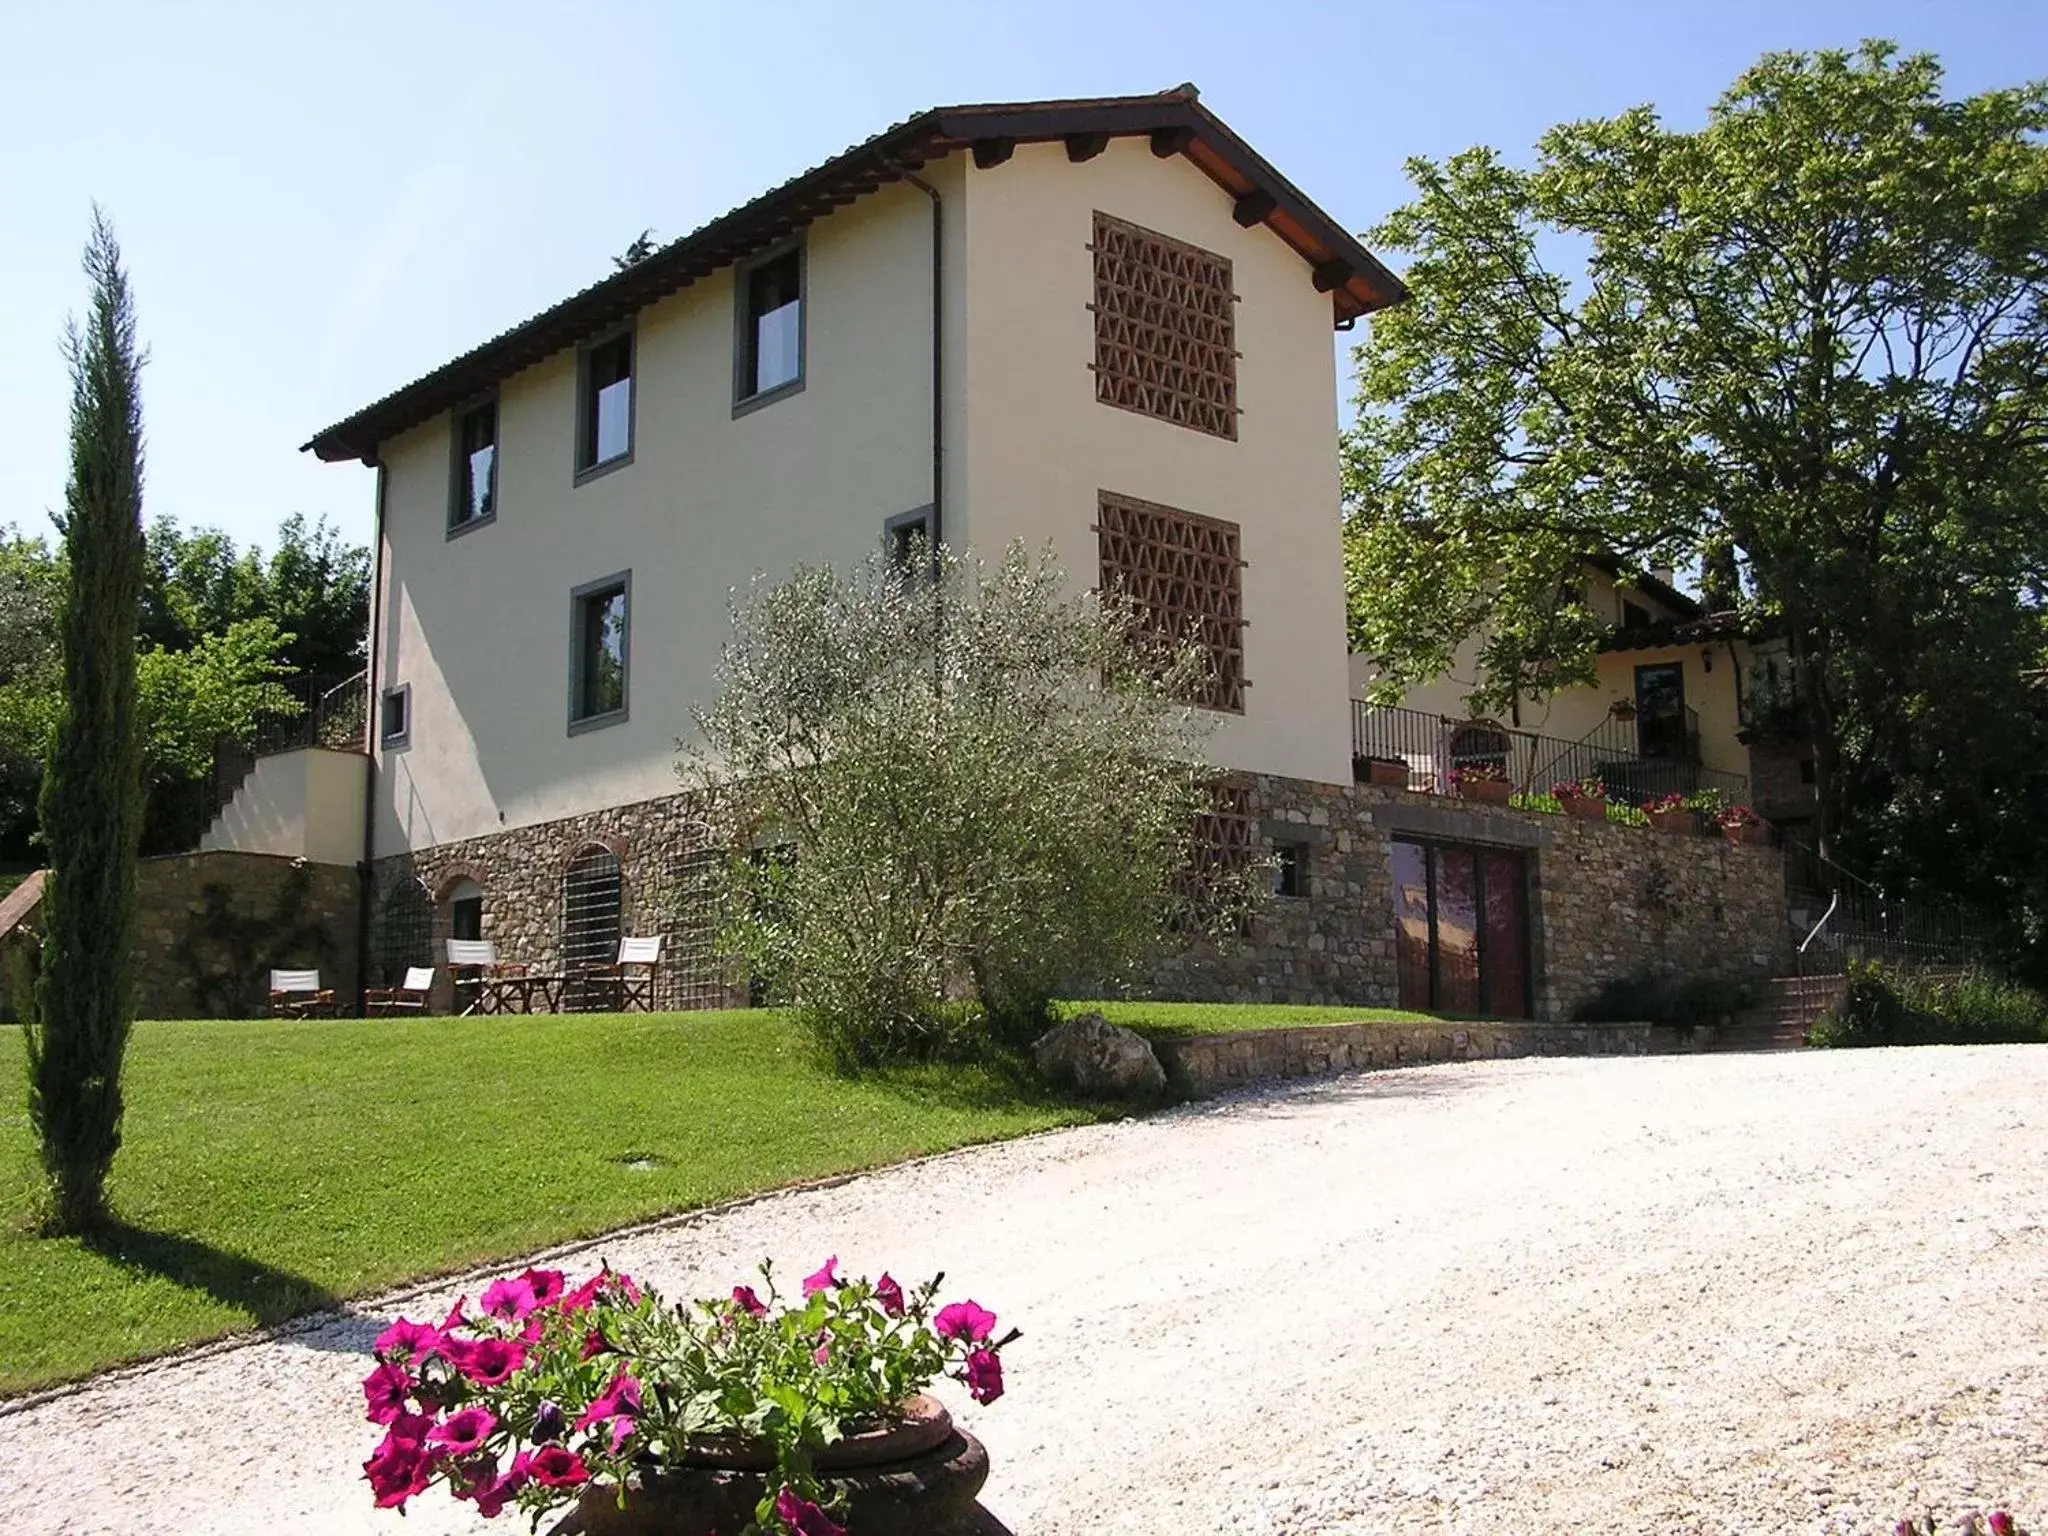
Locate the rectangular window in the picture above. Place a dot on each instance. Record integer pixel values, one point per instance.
(599, 643)
(1662, 725)
(770, 346)
(605, 430)
(473, 498)
(1290, 869)
(1461, 929)
(907, 541)
(394, 716)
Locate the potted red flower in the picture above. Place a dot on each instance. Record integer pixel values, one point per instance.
(740, 1414)
(1670, 813)
(1586, 799)
(1482, 781)
(1739, 824)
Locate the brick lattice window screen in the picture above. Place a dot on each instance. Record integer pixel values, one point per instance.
(1184, 574)
(1165, 328)
(1221, 845)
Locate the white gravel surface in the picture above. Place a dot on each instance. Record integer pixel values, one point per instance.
(1798, 1292)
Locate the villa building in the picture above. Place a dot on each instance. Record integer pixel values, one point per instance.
(1102, 327)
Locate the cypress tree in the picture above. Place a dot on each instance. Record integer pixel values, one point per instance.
(92, 789)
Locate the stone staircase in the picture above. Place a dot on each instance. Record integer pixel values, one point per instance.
(1781, 1014)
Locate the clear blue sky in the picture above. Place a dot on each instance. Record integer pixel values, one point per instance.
(319, 203)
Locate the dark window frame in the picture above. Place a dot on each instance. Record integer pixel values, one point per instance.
(579, 598)
(1293, 865)
(386, 737)
(1644, 718)
(458, 464)
(744, 399)
(585, 466)
(917, 520)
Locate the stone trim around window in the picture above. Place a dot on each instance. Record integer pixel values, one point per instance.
(1165, 328)
(580, 473)
(744, 400)
(618, 581)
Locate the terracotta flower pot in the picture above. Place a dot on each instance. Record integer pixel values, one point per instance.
(1679, 821)
(917, 1476)
(1492, 791)
(1757, 836)
(1586, 807)
(1392, 775)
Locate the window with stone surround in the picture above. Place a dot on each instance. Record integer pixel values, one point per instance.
(1165, 328)
(1183, 575)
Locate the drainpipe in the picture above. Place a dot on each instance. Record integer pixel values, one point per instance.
(938, 358)
(371, 712)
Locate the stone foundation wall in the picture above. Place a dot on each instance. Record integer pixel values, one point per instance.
(1603, 900)
(662, 866)
(1212, 1063)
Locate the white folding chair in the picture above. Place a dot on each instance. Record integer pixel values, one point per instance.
(299, 995)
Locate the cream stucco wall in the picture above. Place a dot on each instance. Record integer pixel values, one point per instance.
(1039, 446)
(306, 804)
(478, 625)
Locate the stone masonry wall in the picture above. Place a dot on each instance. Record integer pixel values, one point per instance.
(661, 864)
(1208, 1064)
(213, 926)
(1603, 900)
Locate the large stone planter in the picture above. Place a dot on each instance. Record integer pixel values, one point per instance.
(1679, 822)
(918, 1477)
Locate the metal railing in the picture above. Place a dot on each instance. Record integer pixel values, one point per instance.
(1862, 921)
(330, 714)
(1427, 747)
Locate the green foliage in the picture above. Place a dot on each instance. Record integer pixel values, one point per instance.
(967, 793)
(1803, 348)
(1663, 997)
(275, 1166)
(1889, 1007)
(227, 957)
(92, 794)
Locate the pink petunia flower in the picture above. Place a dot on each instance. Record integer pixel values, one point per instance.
(2001, 1524)
(744, 1298)
(984, 1376)
(464, 1431)
(491, 1501)
(546, 1285)
(803, 1518)
(622, 1431)
(594, 1345)
(966, 1321)
(509, 1299)
(620, 1399)
(455, 1319)
(398, 1469)
(824, 1279)
(385, 1391)
(822, 1354)
(489, 1362)
(889, 1294)
(419, 1340)
(555, 1466)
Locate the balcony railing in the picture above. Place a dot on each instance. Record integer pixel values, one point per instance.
(1852, 919)
(1427, 747)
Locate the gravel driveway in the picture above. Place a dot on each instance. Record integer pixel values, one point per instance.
(1799, 1292)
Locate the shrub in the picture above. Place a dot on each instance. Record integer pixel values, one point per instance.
(1542, 804)
(1884, 1006)
(957, 794)
(1658, 997)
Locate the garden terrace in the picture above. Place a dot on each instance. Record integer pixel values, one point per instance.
(1419, 751)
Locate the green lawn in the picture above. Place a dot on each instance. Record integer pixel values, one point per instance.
(269, 1168)
(1170, 1020)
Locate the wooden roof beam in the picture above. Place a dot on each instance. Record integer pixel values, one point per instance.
(1253, 207)
(990, 153)
(1086, 146)
(1168, 142)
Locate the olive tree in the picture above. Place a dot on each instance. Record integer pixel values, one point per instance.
(952, 791)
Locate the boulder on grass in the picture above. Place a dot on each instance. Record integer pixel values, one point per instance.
(1097, 1057)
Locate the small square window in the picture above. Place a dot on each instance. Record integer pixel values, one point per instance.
(473, 497)
(1806, 771)
(770, 351)
(599, 651)
(907, 542)
(604, 433)
(394, 716)
(1290, 869)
